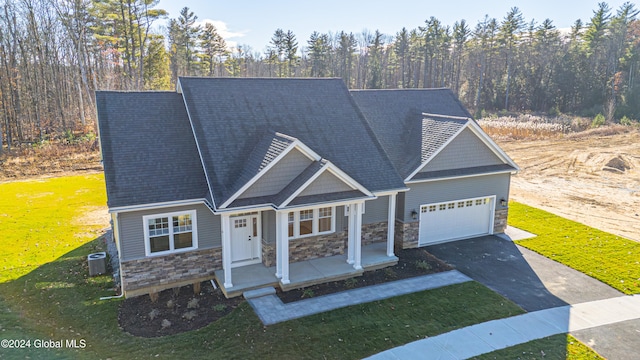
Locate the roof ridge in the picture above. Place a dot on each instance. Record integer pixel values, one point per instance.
(447, 116)
(401, 89)
(258, 78)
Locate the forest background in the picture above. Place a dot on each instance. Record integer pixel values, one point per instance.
(55, 53)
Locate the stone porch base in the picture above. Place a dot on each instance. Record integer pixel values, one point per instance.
(154, 274)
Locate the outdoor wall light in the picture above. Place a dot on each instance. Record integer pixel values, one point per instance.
(503, 202)
(414, 214)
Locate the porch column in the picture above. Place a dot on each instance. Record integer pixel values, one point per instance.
(226, 250)
(279, 230)
(391, 224)
(358, 236)
(283, 238)
(351, 235)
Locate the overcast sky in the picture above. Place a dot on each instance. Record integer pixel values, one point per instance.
(253, 23)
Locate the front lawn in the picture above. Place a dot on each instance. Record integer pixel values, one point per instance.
(560, 346)
(46, 294)
(59, 301)
(609, 258)
(40, 220)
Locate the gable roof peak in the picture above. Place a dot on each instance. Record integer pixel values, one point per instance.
(288, 137)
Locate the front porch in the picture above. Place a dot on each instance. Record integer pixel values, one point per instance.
(306, 273)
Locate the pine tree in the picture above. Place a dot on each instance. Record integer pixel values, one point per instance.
(213, 48)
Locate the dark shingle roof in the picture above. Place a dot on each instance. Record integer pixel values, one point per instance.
(486, 169)
(148, 148)
(279, 198)
(230, 116)
(268, 148)
(396, 118)
(436, 131)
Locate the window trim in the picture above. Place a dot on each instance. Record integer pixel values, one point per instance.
(170, 215)
(315, 225)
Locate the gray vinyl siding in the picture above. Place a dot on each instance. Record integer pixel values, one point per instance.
(342, 222)
(465, 151)
(376, 210)
(269, 225)
(324, 184)
(281, 174)
(131, 229)
(455, 189)
(400, 201)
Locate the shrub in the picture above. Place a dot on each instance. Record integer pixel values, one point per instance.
(193, 304)
(598, 121)
(154, 296)
(219, 307)
(154, 314)
(350, 283)
(626, 121)
(189, 315)
(389, 273)
(170, 304)
(423, 265)
(308, 293)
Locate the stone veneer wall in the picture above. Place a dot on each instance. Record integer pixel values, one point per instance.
(406, 235)
(374, 233)
(314, 247)
(153, 274)
(268, 253)
(323, 245)
(500, 220)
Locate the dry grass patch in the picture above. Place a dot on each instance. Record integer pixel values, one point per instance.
(49, 159)
(526, 126)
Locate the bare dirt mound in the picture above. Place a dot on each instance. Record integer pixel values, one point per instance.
(594, 180)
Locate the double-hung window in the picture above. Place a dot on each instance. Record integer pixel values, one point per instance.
(311, 222)
(168, 233)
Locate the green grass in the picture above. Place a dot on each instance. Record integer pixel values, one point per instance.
(39, 220)
(553, 347)
(59, 301)
(46, 293)
(609, 258)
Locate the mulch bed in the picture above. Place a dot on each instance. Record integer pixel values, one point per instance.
(179, 310)
(175, 311)
(411, 263)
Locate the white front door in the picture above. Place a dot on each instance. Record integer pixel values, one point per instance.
(245, 240)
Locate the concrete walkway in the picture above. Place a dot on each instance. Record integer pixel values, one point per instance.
(271, 310)
(499, 334)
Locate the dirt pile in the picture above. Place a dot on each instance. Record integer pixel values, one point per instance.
(594, 180)
(617, 164)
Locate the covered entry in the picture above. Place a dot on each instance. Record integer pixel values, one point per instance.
(455, 220)
(245, 240)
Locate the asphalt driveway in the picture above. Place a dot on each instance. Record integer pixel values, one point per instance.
(526, 278)
(535, 282)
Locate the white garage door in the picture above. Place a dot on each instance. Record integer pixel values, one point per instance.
(454, 220)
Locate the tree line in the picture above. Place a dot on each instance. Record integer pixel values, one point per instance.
(55, 53)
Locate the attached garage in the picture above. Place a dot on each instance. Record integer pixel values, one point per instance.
(456, 219)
